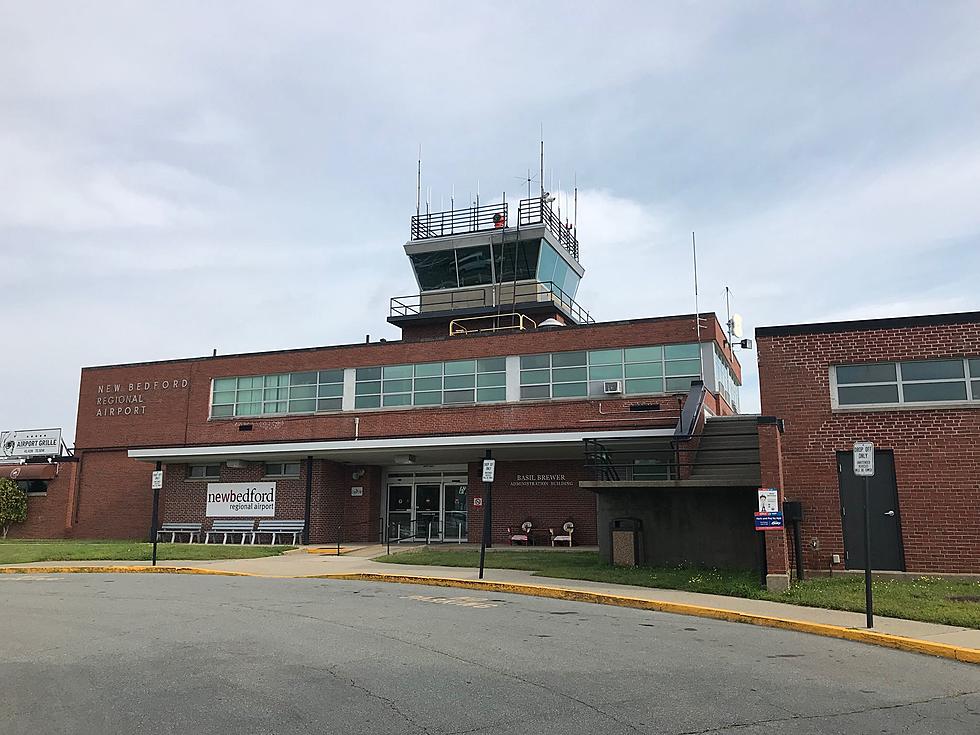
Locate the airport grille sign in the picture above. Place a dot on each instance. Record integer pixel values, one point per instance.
(241, 499)
(31, 443)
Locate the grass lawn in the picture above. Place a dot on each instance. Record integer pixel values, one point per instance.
(15, 551)
(925, 599)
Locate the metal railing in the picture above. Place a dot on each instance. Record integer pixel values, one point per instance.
(426, 531)
(538, 211)
(634, 460)
(503, 295)
(459, 221)
(491, 323)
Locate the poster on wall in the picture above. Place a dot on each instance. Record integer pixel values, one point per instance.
(31, 443)
(241, 500)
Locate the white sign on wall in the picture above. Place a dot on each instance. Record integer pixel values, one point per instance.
(357, 492)
(32, 443)
(488, 469)
(241, 499)
(768, 500)
(156, 480)
(864, 459)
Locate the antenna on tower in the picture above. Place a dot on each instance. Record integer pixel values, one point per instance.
(575, 210)
(418, 184)
(541, 178)
(697, 310)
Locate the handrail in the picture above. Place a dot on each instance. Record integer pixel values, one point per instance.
(528, 292)
(459, 221)
(536, 211)
(456, 326)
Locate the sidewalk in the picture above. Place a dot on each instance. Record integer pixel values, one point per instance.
(358, 561)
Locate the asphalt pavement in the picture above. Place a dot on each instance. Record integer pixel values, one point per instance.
(209, 654)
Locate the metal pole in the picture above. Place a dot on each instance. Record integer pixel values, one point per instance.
(309, 500)
(154, 521)
(868, 603)
(487, 507)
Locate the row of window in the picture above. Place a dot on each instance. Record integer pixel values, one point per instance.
(473, 266)
(285, 393)
(659, 369)
(898, 383)
(213, 471)
(581, 374)
(432, 383)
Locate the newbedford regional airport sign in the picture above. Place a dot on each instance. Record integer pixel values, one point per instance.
(241, 499)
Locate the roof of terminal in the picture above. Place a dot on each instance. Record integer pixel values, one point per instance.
(388, 342)
(863, 325)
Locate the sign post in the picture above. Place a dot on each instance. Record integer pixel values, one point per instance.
(489, 466)
(864, 466)
(156, 483)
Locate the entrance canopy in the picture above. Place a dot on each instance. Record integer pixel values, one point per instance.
(405, 450)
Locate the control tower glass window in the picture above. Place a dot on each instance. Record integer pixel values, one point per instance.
(436, 270)
(473, 265)
(516, 261)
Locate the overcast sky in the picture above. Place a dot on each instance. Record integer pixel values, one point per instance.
(182, 176)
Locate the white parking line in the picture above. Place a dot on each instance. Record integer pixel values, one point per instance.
(477, 602)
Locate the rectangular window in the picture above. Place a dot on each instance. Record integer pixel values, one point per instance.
(432, 383)
(911, 382)
(283, 393)
(204, 472)
(282, 469)
(583, 374)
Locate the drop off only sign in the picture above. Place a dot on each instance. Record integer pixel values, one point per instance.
(241, 499)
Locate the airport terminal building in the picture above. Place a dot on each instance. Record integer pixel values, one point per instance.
(385, 437)
(611, 426)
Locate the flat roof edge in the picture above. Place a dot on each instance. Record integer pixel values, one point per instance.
(862, 325)
(236, 355)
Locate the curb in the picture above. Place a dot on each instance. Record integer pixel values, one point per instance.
(123, 570)
(915, 645)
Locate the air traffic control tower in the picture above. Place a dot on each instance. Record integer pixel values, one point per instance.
(483, 269)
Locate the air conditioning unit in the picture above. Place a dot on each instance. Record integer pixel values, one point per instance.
(612, 387)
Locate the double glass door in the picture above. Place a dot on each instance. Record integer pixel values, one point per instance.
(431, 508)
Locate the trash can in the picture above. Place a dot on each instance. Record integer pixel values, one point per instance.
(627, 541)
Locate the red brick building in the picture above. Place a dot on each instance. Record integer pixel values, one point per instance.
(911, 385)
(386, 438)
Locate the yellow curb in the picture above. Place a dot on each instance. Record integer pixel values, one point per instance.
(957, 653)
(123, 570)
(328, 551)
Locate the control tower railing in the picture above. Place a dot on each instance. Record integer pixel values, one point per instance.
(459, 221)
(488, 217)
(503, 295)
(538, 211)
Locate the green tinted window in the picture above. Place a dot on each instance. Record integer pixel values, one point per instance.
(645, 370)
(487, 380)
(569, 359)
(605, 372)
(531, 362)
(606, 357)
(459, 367)
(567, 375)
(680, 352)
(645, 385)
(644, 354)
(397, 371)
(373, 373)
(569, 390)
(858, 395)
(303, 379)
(491, 394)
(932, 370)
(223, 384)
(428, 370)
(683, 367)
(459, 381)
(491, 365)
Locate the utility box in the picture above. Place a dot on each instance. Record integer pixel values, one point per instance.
(627, 541)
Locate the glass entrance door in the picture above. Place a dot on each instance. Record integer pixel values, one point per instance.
(454, 512)
(427, 511)
(433, 508)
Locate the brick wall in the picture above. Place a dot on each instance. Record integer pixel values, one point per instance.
(168, 403)
(49, 516)
(114, 499)
(546, 503)
(937, 451)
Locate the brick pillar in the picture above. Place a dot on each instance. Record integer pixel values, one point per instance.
(771, 470)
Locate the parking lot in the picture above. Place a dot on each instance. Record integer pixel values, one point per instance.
(138, 653)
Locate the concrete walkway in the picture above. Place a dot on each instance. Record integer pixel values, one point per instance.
(358, 560)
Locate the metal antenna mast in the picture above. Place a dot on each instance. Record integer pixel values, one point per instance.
(418, 184)
(697, 310)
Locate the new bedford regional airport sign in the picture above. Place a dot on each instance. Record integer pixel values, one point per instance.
(241, 499)
(33, 443)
